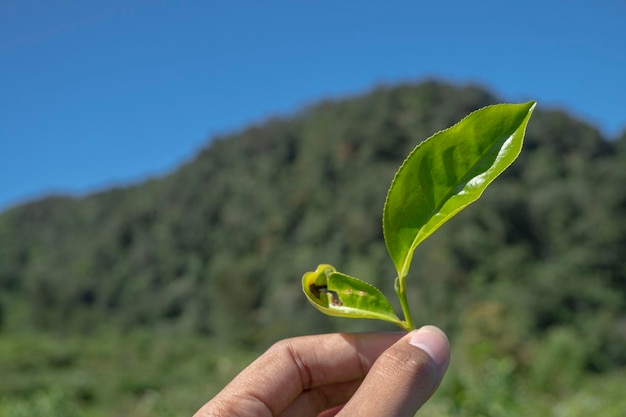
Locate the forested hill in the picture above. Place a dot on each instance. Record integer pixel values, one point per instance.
(219, 246)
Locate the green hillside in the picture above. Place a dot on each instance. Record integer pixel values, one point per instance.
(530, 282)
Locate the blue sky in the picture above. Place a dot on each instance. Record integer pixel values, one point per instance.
(101, 93)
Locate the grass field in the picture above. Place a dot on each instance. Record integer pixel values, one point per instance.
(144, 374)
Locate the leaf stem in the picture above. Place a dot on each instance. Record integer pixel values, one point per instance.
(406, 312)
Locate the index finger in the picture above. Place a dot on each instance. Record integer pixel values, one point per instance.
(291, 366)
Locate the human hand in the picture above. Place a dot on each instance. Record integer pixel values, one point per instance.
(367, 374)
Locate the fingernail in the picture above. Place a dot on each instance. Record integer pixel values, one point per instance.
(432, 341)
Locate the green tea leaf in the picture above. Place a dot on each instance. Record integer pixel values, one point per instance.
(340, 295)
(447, 172)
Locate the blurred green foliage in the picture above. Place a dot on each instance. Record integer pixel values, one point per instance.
(123, 302)
(108, 374)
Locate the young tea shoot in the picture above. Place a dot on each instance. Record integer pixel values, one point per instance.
(440, 177)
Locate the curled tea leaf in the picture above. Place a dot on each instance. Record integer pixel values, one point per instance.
(340, 295)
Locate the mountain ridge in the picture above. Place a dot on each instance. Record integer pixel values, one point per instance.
(217, 247)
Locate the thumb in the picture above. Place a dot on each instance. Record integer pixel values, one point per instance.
(404, 377)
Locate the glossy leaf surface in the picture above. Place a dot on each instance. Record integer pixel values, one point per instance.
(340, 295)
(447, 172)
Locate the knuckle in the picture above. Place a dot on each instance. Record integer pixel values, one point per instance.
(286, 351)
(410, 363)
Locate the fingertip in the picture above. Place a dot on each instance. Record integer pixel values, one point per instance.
(434, 342)
(406, 375)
